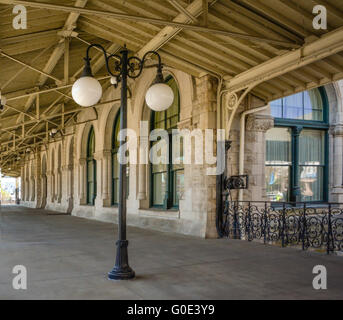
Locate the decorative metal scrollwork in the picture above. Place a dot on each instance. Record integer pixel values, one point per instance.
(236, 182)
(287, 224)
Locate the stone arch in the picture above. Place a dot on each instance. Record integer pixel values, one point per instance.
(107, 168)
(108, 132)
(83, 160)
(184, 84)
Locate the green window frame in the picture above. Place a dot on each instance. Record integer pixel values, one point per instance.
(305, 153)
(167, 180)
(116, 165)
(91, 169)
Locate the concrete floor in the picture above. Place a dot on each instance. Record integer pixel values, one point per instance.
(68, 257)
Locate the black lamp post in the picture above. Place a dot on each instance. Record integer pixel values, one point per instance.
(87, 91)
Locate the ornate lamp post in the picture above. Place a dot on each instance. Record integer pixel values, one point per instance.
(87, 92)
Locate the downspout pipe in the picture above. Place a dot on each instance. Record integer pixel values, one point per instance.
(242, 143)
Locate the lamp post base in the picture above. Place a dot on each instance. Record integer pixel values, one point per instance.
(121, 270)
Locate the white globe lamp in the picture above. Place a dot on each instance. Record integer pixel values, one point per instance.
(87, 91)
(159, 97)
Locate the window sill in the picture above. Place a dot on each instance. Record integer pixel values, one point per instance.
(158, 213)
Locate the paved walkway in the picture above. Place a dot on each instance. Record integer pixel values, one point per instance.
(68, 257)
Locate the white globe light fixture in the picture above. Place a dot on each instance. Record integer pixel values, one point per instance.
(159, 96)
(87, 90)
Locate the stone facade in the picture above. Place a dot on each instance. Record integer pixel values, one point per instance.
(55, 178)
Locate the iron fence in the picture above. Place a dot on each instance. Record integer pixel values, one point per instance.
(309, 225)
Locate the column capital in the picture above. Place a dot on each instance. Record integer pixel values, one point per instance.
(337, 130)
(82, 161)
(259, 122)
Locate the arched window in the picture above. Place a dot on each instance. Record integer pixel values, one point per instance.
(167, 180)
(297, 148)
(91, 168)
(116, 164)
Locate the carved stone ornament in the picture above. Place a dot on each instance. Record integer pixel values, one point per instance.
(232, 100)
(259, 123)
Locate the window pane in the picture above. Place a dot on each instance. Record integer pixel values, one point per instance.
(90, 171)
(90, 192)
(311, 147)
(276, 108)
(311, 183)
(91, 143)
(278, 144)
(313, 105)
(293, 106)
(115, 163)
(160, 184)
(277, 183)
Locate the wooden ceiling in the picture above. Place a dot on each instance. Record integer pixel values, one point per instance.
(47, 56)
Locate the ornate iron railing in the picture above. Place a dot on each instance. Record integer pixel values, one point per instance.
(308, 225)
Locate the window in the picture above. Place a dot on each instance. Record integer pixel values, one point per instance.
(91, 168)
(306, 105)
(297, 148)
(116, 164)
(167, 180)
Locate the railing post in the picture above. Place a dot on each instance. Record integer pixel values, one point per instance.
(304, 227)
(265, 223)
(248, 224)
(283, 224)
(330, 235)
(235, 220)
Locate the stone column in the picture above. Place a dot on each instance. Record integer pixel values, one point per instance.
(337, 163)
(203, 185)
(256, 128)
(106, 177)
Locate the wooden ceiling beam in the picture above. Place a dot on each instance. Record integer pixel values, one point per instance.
(150, 20)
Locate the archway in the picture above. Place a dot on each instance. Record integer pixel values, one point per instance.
(70, 177)
(44, 183)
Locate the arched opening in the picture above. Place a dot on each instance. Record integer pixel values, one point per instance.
(167, 180)
(52, 187)
(59, 174)
(91, 168)
(70, 175)
(297, 148)
(44, 182)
